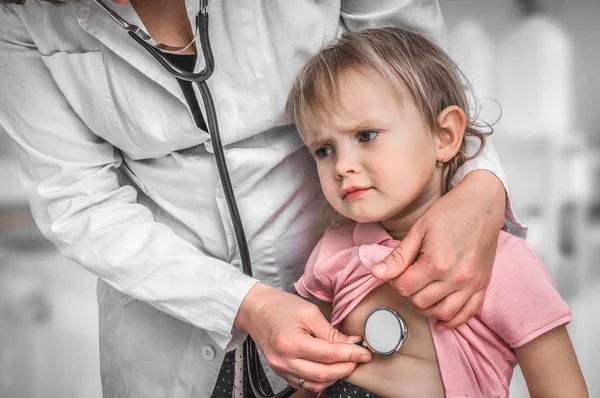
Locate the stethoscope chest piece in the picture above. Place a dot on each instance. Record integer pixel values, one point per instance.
(385, 331)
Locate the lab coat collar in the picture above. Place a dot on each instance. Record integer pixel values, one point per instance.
(95, 21)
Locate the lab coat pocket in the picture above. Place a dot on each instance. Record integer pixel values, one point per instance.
(83, 81)
(128, 177)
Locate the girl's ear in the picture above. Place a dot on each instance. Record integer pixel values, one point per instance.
(451, 129)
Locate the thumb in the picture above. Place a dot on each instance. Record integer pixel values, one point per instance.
(325, 331)
(400, 258)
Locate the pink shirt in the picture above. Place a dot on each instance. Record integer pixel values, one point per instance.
(476, 359)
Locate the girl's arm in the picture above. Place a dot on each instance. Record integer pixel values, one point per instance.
(550, 366)
(524, 309)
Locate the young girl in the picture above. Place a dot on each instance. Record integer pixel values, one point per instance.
(385, 115)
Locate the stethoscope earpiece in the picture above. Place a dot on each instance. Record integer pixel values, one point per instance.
(385, 332)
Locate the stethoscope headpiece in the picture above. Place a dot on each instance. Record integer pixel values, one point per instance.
(385, 331)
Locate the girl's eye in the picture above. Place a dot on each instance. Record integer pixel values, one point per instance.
(323, 152)
(366, 136)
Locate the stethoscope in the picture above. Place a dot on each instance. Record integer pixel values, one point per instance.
(385, 331)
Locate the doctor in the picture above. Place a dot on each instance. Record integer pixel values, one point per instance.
(122, 181)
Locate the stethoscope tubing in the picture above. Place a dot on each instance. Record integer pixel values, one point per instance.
(194, 77)
(250, 349)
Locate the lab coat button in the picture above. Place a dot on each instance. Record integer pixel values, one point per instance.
(208, 353)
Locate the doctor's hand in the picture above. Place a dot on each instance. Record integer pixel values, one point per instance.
(296, 339)
(445, 262)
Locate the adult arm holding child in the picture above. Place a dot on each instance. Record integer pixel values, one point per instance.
(444, 264)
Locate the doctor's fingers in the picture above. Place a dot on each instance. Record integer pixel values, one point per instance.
(432, 294)
(401, 258)
(419, 275)
(471, 308)
(456, 308)
(317, 376)
(324, 352)
(431, 267)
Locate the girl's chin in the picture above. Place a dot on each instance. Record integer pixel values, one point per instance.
(362, 213)
(363, 219)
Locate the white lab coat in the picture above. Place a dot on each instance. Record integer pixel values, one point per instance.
(121, 180)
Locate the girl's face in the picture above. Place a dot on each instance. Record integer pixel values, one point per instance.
(376, 156)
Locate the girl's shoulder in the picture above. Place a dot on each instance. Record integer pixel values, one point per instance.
(521, 299)
(512, 249)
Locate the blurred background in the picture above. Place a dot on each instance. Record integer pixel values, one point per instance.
(535, 62)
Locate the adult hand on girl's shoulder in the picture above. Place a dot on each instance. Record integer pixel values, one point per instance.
(296, 339)
(454, 245)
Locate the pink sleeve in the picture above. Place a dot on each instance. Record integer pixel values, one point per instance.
(521, 302)
(309, 285)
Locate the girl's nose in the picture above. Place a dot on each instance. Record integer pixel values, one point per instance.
(346, 163)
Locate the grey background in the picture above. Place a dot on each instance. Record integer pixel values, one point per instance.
(548, 140)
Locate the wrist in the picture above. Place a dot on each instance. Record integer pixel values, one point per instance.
(250, 306)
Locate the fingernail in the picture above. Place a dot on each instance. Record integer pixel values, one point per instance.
(379, 269)
(365, 358)
(354, 339)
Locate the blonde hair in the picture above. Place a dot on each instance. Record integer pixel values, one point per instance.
(400, 57)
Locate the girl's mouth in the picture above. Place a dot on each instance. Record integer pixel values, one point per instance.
(351, 193)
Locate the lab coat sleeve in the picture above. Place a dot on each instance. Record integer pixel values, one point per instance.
(425, 17)
(78, 203)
